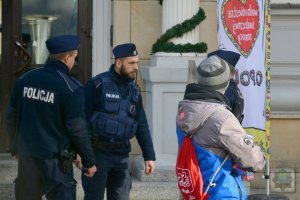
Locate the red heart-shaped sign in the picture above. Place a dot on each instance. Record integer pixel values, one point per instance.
(241, 23)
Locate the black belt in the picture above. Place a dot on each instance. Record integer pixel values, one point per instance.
(110, 145)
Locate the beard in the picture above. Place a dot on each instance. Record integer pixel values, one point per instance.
(128, 75)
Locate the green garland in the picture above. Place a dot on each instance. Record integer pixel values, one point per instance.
(179, 30)
(160, 2)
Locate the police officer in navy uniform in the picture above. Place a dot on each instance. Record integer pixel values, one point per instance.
(116, 114)
(46, 123)
(233, 93)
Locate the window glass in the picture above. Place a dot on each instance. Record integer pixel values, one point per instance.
(0, 30)
(44, 19)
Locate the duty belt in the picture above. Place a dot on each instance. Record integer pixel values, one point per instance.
(109, 145)
(67, 158)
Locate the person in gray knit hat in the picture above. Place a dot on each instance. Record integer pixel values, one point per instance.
(214, 73)
(219, 140)
(233, 93)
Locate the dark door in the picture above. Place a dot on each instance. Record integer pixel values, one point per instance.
(25, 26)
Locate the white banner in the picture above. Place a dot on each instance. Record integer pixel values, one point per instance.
(242, 28)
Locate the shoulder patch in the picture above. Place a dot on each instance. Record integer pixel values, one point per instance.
(248, 139)
(71, 82)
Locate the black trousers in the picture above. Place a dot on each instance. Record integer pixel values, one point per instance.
(38, 177)
(112, 174)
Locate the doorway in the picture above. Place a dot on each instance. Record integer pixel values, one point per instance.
(25, 25)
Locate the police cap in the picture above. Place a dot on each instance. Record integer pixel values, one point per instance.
(125, 50)
(63, 43)
(229, 56)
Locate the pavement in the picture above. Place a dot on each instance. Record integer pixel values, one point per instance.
(161, 186)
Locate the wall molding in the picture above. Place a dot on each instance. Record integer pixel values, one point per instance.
(285, 66)
(285, 90)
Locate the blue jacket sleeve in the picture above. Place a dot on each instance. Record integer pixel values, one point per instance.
(143, 135)
(89, 98)
(230, 94)
(77, 126)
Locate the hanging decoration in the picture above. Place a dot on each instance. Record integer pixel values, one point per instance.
(179, 30)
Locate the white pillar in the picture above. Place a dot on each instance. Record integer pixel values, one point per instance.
(177, 11)
(101, 36)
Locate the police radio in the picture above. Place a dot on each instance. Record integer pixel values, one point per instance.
(132, 110)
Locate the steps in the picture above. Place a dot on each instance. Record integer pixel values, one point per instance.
(154, 190)
(7, 191)
(8, 173)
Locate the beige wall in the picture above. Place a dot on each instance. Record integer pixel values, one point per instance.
(208, 27)
(138, 22)
(285, 150)
(285, 138)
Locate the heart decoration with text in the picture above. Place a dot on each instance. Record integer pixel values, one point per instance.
(241, 23)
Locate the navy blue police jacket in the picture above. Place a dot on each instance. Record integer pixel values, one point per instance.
(46, 115)
(94, 96)
(236, 100)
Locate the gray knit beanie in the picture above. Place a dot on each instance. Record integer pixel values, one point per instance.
(214, 72)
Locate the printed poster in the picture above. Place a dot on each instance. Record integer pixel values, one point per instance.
(244, 27)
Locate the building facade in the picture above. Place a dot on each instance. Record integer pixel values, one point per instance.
(26, 24)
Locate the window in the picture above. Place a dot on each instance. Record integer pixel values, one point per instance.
(44, 19)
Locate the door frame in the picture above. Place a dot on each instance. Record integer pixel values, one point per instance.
(85, 27)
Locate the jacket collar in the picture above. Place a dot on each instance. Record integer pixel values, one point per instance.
(202, 93)
(117, 77)
(57, 65)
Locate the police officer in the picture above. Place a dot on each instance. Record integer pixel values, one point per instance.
(233, 93)
(46, 122)
(116, 114)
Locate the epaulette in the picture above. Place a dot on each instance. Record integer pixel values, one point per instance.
(71, 82)
(98, 80)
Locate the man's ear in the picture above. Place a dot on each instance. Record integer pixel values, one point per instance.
(67, 58)
(118, 62)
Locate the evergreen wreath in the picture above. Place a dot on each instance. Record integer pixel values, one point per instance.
(179, 30)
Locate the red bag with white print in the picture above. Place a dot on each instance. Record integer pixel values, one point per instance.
(188, 172)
